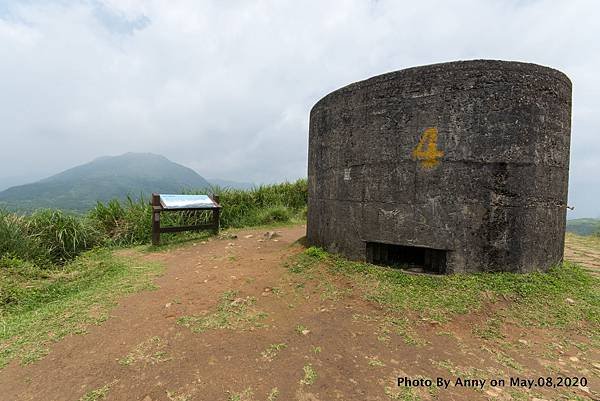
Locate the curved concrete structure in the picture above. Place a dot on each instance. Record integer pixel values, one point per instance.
(458, 167)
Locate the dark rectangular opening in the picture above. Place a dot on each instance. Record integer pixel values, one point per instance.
(412, 258)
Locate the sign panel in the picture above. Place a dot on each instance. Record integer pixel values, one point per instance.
(186, 201)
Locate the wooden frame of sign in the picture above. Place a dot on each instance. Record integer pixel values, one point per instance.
(158, 207)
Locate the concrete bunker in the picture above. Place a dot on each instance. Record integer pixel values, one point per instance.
(454, 167)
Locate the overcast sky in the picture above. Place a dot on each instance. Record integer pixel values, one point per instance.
(225, 87)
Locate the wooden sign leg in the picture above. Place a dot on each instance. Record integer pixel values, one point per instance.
(155, 228)
(216, 218)
(155, 219)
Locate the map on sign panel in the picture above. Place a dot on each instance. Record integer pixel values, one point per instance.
(186, 201)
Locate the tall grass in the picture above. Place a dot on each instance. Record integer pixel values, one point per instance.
(50, 238)
(15, 241)
(129, 222)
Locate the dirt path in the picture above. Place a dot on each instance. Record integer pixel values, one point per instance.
(288, 339)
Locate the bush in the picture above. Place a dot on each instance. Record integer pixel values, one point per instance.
(130, 222)
(15, 241)
(248, 208)
(123, 225)
(16, 278)
(275, 214)
(62, 236)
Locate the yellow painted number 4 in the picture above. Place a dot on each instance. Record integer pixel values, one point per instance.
(426, 150)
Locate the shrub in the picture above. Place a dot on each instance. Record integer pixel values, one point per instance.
(275, 214)
(62, 236)
(123, 224)
(129, 222)
(15, 242)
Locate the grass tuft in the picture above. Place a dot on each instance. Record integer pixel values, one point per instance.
(233, 313)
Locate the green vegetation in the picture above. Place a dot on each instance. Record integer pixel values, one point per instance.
(565, 297)
(584, 226)
(232, 313)
(55, 266)
(245, 395)
(310, 375)
(42, 305)
(98, 394)
(272, 351)
(150, 351)
(129, 222)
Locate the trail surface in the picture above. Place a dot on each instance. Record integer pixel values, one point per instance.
(270, 336)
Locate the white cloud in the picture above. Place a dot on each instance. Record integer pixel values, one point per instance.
(226, 87)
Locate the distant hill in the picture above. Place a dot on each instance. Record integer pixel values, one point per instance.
(583, 226)
(105, 178)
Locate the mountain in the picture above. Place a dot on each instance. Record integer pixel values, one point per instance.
(583, 226)
(230, 184)
(105, 178)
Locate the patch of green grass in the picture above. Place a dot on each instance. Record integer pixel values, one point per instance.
(490, 330)
(401, 393)
(245, 395)
(316, 350)
(150, 351)
(537, 299)
(331, 292)
(232, 313)
(300, 329)
(64, 301)
(97, 394)
(273, 394)
(310, 375)
(172, 396)
(272, 350)
(374, 361)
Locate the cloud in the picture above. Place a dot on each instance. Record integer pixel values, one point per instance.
(226, 87)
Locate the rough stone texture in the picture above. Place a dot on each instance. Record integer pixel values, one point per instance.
(495, 200)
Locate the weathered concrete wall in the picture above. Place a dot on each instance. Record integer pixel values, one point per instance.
(470, 157)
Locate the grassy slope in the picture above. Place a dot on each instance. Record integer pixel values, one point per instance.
(566, 297)
(47, 305)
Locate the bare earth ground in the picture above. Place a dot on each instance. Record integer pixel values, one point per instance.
(307, 344)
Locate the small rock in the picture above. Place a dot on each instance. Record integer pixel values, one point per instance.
(574, 359)
(538, 399)
(248, 236)
(147, 398)
(168, 305)
(570, 301)
(524, 342)
(231, 244)
(305, 331)
(267, 289)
